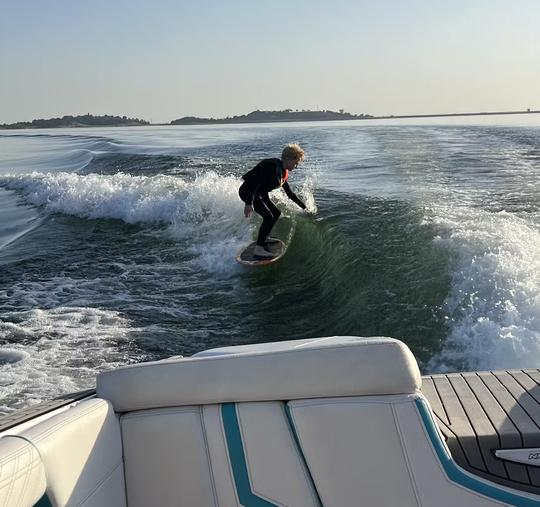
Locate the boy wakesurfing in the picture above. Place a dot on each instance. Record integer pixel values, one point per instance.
(267, 175)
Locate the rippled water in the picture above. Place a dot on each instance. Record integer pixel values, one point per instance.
(118, 245)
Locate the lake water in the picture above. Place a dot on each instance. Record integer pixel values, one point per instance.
(117, 245)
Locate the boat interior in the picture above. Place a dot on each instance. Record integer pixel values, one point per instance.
(338, 421)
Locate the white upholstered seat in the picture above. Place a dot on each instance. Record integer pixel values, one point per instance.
(336, 421)
(22, 474)
(323, 367)
(80, 452)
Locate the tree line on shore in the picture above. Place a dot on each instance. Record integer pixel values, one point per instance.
(270, 116)
(89, 120)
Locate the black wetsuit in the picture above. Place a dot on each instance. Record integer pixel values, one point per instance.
(262, 179)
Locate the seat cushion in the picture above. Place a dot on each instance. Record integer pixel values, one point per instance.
(81, 450)
(353, 449)
(255, 457)
(22, 475)
(217, 455)
(322, 367)
(166, 458)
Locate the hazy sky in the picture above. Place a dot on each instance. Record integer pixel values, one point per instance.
(160, 60)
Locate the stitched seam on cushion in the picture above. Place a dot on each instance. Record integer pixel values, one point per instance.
(301, 450)
(12, 482)
(26, 471)
(121, 433)
(244, 446)
(100, 483)
(48, 431)
(161, 413)
(406, 456)
(227, 455)
(341, 401)
(19, 473)
(30, 469)
(26, 490)
(40, 486)
(24, 484)
(211, 461)
(36, 449)
(33, 463)
(228, 357)
(208, 458)
(7, 457)
(248, 462)
(145, 405)
(299, 456)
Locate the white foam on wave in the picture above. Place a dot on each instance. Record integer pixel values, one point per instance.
(493, 309)
(122, 196)
(206, 211)
(56, 351)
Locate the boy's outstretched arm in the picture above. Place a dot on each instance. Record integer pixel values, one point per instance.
(292, 196)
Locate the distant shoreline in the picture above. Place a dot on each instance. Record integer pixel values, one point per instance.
(82, 121)
(446, 115)
(290, 116)
(88, 121)
(287, 115)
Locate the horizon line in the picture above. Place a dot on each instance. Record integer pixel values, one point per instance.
(362, 116)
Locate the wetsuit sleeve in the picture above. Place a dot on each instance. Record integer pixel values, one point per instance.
(253, 180)
(292, 196)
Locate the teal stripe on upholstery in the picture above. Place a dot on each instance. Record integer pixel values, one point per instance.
(457, 475)
(301, 452)
(238, 459)
(44, 501)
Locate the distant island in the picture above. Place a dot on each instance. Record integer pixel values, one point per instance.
(306, 115)
(87, 120)
(287, 115)
(274, 116)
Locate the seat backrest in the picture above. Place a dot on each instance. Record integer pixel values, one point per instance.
(22, 475)
(214, 455)
(213, 429)
(386, 450)
(322, 367)
(333, 422)
(353, 449)
(81, 454)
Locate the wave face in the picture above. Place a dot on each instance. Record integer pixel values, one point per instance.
(120, 246)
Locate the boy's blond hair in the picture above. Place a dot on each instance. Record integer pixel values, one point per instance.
(293, 152)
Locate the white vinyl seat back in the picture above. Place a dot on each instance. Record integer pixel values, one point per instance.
(213, 430)
(322, 367)
(438, 479)
(254, 451)
(385, 451)
(81, 453)
(166, 458)
(353, 450)
(214, 455)
(22, 475)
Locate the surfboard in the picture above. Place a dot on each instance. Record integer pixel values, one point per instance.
(246, 255)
